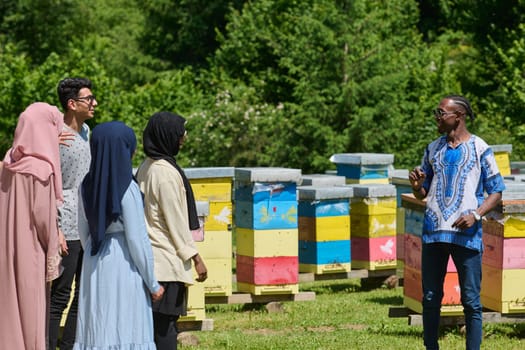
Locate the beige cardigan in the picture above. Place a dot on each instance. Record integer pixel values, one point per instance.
(166, 214)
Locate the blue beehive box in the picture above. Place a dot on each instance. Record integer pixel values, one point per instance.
(328, 252)
(322, 201)
(363, 168)
(265, 198)
(399, 178)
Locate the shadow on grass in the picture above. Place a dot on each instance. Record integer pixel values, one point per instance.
(331, 288)
(394, 300)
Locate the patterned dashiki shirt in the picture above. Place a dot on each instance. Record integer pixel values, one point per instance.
(456, 181)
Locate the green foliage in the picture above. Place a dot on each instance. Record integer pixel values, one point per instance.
(183, 31)
(273, 82)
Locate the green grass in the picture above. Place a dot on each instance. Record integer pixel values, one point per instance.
(344, 315)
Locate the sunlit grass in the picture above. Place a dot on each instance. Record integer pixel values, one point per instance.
(344, 315)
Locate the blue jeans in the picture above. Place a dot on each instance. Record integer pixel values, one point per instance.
(433, 269)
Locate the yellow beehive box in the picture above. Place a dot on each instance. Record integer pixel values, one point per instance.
(374, 206)
(219, 281)
(446, 310)
(267, 243)
(374, 265)
(220, 217)
(502, 156)
(369, 226)
(213, 190)
(400, 220)
(196, 303)
(326, 228)
(320, 269)
(216, 244)
(367, 181)
(268, 289)
(507, 226)
(502, 290)
(193, 315)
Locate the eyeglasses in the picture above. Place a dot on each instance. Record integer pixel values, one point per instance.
(441, 114)
(88, 99)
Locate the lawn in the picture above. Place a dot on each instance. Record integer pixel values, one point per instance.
(346, 314)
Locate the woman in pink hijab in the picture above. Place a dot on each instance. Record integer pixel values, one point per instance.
(30, 191)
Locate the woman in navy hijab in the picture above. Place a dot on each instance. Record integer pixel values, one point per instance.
(118, 282)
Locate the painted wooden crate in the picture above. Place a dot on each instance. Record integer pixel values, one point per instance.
(363, 168)
(400, 180)
(330, 228)
(413, 289)
(377, 253)
(414, 214)
(373, 209)
(400, 236)
(265, 205)
(216, 250)
(508, 226)
(196, 305)
(217, 244)
(413, 253)
(220, 217)
(502, 155)
(504, 253)
(267, 243)
(324, 253)
(502, 290)
(215, 186)
(220, 276)
(211, 184)
(324, 212)
(267, 272)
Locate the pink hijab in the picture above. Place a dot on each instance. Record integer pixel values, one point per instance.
(35, 148)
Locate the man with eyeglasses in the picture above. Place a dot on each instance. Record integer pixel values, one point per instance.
(457, 170)
(78, 103)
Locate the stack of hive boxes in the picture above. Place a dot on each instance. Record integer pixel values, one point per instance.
(373, 227)
(363, 168)
(412, 289)
(196, 304)
(399, 178)
(324, 225)
(266, 230)
(517, 167)
(214, 185)
(373, 208)
(502, 155)
(504, 256)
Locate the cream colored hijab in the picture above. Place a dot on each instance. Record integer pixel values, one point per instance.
(35, 148)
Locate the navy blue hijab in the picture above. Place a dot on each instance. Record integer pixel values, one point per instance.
(110, 173)
(162, 137)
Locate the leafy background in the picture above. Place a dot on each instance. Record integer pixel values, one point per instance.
(274, 82)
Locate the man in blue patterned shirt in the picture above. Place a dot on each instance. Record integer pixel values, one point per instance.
(457, 170)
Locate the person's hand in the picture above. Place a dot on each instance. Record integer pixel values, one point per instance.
(62, 244)
(64, 137)
(416, 177)
(158, 294)
(201, 269)
(464, 222)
